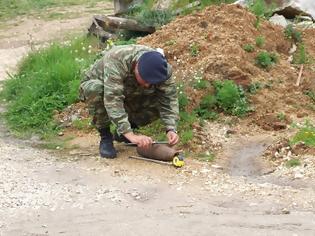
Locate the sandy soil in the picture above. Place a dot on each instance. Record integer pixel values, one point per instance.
(74, 192)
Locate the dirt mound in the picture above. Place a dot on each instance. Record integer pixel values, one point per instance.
(210, 43)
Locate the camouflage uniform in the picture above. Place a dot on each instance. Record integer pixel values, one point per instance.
(113, 95)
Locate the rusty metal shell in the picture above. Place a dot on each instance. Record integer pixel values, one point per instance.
(160, 152)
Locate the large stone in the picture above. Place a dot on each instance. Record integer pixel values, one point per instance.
(278, 20)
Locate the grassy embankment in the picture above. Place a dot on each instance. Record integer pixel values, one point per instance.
(10, 9)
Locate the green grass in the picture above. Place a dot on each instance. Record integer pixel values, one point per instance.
(183, 100)
(155, 130)
(84, 124)
(13, 8)
(207, 157)
(46, 81)
(293, 163)
(186, 136)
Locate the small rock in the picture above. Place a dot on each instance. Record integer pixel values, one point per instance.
(217, 167)
(298, 176)
(285, 211)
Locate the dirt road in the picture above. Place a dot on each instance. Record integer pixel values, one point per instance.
(46, 193)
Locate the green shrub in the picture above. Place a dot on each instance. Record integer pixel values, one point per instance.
(293, 34)
(154, 18)
(47, 80)
(248, 47)
(231, 98)
(260, 8)
(306, 134)
(266, 60)
(207, 106)
(260, 41)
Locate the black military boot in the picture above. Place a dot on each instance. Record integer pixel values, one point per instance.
(120, 138)
(107, 149)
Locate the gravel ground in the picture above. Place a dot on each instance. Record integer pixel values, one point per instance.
(42, 194)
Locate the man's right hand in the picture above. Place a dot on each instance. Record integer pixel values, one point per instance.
(142, 141)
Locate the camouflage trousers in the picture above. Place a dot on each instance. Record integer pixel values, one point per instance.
(141, 110)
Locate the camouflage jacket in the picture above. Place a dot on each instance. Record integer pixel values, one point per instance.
(115, 68)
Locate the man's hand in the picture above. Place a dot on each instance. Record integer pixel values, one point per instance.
(172, 137)
(141, 140)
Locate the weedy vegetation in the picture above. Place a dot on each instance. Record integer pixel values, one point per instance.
(311, 95)
(293, 34)
(254, 87)
(194, 49)
(143, 13)
(301, 57)
(306, 134)
(200, 83)
(260, 41)
(261, 10)
(281, 116)
(207, 108)
(82, 124)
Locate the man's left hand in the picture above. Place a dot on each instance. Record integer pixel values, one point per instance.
(172, 137)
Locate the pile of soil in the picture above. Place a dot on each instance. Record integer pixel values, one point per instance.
(220, 33)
